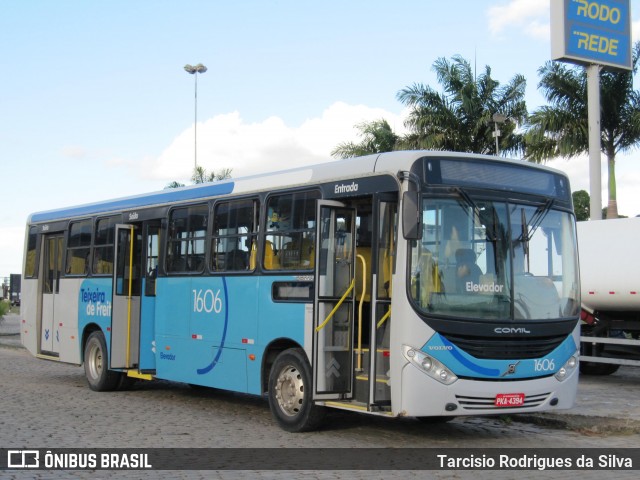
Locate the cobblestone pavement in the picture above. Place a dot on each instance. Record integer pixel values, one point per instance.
(48, 405)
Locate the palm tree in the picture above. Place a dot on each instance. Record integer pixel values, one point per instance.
(377, 136)
(460, 118)
(200, 175)
(562, 129)
(174, 184)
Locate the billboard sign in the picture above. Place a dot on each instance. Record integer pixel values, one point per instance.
(592, 32)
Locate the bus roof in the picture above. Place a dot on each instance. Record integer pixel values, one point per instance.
(390, 163)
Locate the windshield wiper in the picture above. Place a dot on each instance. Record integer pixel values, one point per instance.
(529, 229)
(467, 199)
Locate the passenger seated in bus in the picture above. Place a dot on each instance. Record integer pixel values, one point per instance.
(447, 261)
(466, 269)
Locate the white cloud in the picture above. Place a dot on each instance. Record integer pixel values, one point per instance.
(75, 151)
(635, 31)
(530, 16)
(227, 141)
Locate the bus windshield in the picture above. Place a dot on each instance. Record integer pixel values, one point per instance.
(494, 260)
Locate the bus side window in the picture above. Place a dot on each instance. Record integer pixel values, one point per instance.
(234, 235)
(30, 258)
(290, 241)
(151, 269)
(187, 237)
(103, 246)
(79, 248)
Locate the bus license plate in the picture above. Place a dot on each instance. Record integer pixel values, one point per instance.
(509, 400)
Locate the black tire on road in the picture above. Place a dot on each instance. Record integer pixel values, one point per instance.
(290, 392)
(96, 365)
(591, 368)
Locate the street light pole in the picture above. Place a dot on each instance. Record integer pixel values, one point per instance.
(498, 118)
(199, 68)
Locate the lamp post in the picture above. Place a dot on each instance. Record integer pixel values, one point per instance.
(498, 118)
(199, 68)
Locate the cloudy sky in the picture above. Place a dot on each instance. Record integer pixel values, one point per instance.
(95, 103)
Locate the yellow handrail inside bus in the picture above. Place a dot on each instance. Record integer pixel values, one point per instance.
(335, 309)
(384, 318)
(364, 292)
(129, 296)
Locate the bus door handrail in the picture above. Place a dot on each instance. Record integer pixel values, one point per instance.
(363, 294)
(335, 309)
(384, 318)
(130, 292)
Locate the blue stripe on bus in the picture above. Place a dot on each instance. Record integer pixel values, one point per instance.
(489, 372)
(463, 364)
(138, 201)
(208, 368)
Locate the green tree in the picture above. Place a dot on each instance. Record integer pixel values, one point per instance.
(377, 137)
(200, 175)
(460, 118)
(581, 205)
(562, 129)
(5, 306)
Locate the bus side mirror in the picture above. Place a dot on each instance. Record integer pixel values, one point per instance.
(411, 216)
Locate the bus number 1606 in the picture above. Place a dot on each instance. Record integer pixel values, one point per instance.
(207, 301)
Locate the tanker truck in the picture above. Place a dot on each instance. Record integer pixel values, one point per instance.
(610, 279)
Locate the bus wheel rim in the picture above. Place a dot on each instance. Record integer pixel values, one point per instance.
(95, 361)
(290, 390)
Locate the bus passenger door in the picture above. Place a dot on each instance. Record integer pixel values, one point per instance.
(387, 218)
(334, 304)
(52, 267)
(125, 320)
(150, 259)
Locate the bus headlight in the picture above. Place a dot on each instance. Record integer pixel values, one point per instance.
(429, 365)
(567, 368)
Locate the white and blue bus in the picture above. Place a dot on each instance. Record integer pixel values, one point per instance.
(425, 284)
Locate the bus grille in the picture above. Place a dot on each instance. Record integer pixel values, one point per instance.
(500, 348)
(488, 403)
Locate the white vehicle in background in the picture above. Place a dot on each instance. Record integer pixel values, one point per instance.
(610, 279)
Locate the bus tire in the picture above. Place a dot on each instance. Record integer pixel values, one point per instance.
(96, 365)
(290, 392)
(592, 368)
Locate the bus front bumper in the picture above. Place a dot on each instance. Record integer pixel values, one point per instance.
(423, 396)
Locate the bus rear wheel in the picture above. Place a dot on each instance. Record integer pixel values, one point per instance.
(96, 365)
(290, 393)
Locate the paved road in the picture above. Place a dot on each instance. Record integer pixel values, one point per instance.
(48, 405)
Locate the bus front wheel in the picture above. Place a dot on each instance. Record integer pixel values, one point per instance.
(290, 392)
(96, 365)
